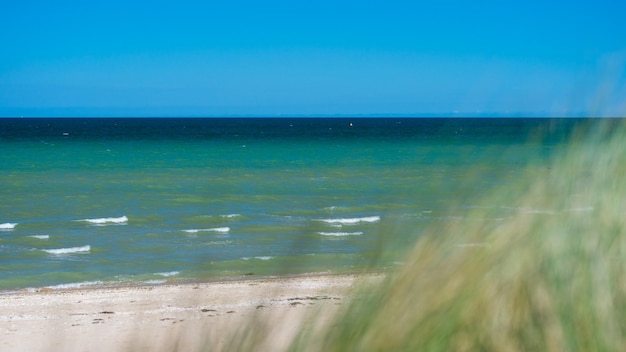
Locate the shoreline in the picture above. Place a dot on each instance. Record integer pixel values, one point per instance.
(98, 285)
(185, 316)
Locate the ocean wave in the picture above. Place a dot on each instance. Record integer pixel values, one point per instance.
(215, 229)
(8, 226)
(75, 285)
(71, 250)
(230, 216)
(351, 221)
(104, 221)
(340, 234)
(259, 258)
(154, 282)
(219, 243)
(167, 274)
(333, 208)
(41, 237)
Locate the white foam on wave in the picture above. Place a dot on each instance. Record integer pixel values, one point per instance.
(154, 282)
(104, 221)
(167, 274)
(59, 251)
(259, 257)
(340, 234)
(230, 216)
(75, 285)
(215, 229)
(8, 226)
(333, 208)
(41, 237)
(351, 221)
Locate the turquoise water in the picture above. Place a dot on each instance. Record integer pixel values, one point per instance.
(108, 201)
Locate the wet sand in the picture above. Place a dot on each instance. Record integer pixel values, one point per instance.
(201, 316)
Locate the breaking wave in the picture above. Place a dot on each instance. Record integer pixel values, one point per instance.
(8, 226)
(340, 234)
(104, 221)
(60, 251)
(215, 229)
(351, 221)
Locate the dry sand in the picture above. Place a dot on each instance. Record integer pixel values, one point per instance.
(186, 317)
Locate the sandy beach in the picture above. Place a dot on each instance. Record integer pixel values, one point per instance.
(172, 317)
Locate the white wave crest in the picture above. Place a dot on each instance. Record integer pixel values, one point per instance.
(75, 285)
(259, 257)
(230, 216)
(215, 229)
(340, 234)
(41, 237)
(219, 243)
(8, 226)
(351, 221)
(103, 221)
(171, 273)
(59, 251)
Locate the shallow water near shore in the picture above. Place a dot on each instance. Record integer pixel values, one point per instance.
(102, 201)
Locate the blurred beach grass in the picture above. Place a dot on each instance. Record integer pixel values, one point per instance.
(537, 265)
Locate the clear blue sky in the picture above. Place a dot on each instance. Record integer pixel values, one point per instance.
(206, 58)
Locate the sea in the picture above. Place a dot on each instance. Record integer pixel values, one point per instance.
(89, 202)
